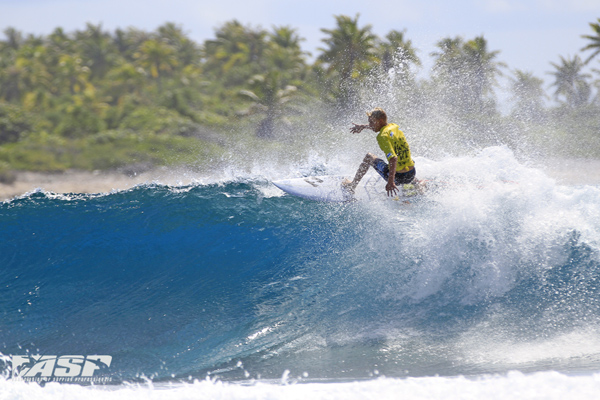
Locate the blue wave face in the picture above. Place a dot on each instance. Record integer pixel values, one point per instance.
(223, 280)
(162, 279)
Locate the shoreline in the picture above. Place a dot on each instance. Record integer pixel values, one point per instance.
(570, 172)
(75, 181)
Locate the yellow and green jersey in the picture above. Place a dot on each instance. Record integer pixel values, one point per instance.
(393, 143)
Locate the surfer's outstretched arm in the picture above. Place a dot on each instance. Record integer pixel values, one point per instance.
(357, 128)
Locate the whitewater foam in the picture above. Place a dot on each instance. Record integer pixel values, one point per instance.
(514, 385)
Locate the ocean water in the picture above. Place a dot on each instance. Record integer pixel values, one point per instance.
(229, 288)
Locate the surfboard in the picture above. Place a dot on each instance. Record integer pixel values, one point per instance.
(328, 188)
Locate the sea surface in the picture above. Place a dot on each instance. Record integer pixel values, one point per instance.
(488, 287)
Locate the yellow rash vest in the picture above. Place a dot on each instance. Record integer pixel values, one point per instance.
(393, 143)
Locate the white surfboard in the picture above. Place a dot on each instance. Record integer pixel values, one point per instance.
(328, 188)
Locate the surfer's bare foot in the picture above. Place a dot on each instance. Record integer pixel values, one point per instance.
(347, 185)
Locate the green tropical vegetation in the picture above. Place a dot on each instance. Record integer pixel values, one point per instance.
(98, 100)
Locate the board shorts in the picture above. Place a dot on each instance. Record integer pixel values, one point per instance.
(401, 178)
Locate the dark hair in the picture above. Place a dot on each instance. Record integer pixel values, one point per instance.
(378, 114)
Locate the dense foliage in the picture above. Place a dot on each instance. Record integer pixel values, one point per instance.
(92, 99)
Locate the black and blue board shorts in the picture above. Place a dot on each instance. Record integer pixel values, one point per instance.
(401, 178)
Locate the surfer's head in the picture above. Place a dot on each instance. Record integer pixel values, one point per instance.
(377, 119)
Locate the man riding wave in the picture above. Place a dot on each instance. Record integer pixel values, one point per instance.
(391, 140)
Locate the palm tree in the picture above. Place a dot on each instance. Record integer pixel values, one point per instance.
(449, 70)
(186, 50)
(128, 42)
(397, 52)
(350, 51)
(467, 72)
(96, 47)
(125, 80)
(236, 54)
(14, 39)
(32, 71)
(72, 74)
(286, 38)
(595, 41)
(528, 96)
(10, 87)
(59, 43)
(283, 53)
(448, 59)
(158, 58)
(273, 93)
(482, 67)
(268, 98)
(570, 82)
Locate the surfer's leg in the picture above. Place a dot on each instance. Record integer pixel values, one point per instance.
(362, 170)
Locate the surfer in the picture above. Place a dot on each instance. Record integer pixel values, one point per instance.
(401, 168)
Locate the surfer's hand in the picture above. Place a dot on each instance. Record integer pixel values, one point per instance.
(391, 189)
(357, 128)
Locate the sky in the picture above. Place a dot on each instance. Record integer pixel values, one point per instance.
(530, 34)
